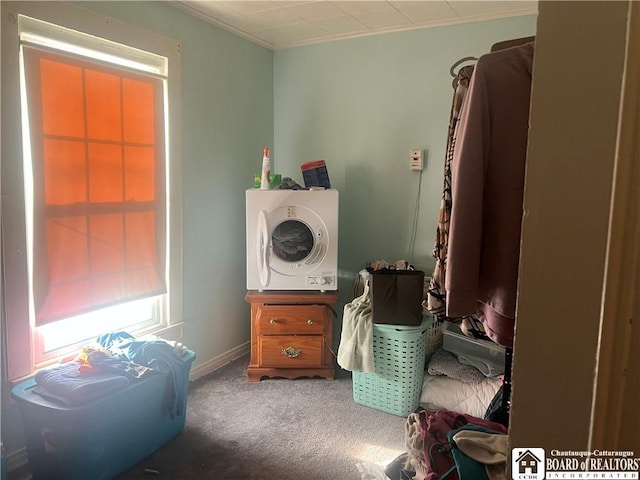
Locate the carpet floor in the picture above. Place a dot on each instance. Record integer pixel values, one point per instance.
(276, 429)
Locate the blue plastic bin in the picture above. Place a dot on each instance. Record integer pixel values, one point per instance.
(103, 438)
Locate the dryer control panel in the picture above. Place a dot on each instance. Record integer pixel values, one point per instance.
(323, 281)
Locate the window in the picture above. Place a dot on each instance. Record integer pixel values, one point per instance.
(98, 226)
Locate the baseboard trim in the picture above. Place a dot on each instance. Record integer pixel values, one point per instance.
(219, 361)
(17, 459)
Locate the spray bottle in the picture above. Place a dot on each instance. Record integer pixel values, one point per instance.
(266, 170)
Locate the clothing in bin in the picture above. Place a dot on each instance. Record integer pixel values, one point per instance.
(116, 360)
(107, 409)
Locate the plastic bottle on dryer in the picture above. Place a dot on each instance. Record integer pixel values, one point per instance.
(266, 170)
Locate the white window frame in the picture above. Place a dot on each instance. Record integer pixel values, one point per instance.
(25, 348)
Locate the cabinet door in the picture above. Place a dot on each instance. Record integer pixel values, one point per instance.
(291, 320)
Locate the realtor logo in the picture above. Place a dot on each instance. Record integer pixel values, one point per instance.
(527, 463)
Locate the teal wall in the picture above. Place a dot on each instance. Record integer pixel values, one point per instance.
(362, 105)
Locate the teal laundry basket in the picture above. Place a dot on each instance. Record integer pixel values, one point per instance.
(399, 358)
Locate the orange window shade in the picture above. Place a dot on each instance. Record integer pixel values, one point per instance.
(139, 112)
(145, 266)
(107, 290)
(139, 169)
(62, 92)
(107, 243)
(67, 249)
(100, 222)
(104, 118)
(57, 298)
(144, 280)
(139, 226)
(65, 173)
(105, 173)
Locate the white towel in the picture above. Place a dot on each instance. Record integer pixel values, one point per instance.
(355, 352)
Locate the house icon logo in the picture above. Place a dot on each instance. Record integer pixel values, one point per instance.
(527, 463)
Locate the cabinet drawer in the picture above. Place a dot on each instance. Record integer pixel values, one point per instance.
(294, 351)
(290, 320)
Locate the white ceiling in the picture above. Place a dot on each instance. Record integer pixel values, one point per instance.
(289, 23)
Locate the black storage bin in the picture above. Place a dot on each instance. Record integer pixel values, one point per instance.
(396, 296)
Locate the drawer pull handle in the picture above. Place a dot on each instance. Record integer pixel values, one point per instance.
(310, 322)
(273, 321)
(291, 352)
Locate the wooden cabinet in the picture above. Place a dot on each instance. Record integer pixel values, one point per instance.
(291, 334)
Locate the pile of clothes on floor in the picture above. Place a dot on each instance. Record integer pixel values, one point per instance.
(111, 363)
(449, 445)
(452, 436)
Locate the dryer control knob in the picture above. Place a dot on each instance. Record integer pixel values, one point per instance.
(325, 280)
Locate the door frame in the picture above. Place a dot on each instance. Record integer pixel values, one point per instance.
(619, 303)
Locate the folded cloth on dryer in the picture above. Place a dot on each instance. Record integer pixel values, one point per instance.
(290, 184)
(355, 352)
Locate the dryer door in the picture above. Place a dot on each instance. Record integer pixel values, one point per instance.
(262, 248)
(298, 240)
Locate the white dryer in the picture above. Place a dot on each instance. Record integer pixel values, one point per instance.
(292, 239)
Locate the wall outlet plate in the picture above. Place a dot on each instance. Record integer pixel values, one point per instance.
(417, 159)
